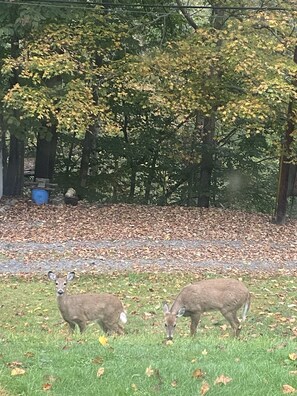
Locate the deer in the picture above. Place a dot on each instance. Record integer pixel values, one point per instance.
(80, 309)
(221, 294)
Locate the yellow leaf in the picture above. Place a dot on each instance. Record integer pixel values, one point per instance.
(288, 389)
(17, 371)
(103, 340)
(149, 371)
(100, 372)
(204, 352)
(293, 356)
(204, 388)
(134, 387)
(222, 380)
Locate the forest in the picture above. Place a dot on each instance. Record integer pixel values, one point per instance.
(191, 104)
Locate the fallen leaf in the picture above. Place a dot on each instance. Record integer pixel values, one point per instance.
(14, 364)
(149, 371)
(198, 373)
(17, 371)
(174, 383)
(222, 379)
(46, 386)
(134, 387)
(103, 340)
(288, 389)
(293, 356)
(204, 388)
(100, 372)
(204, 352)
(97, 360)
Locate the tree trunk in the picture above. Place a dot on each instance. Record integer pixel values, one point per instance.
(14, 174)
(131, 162)
(133, 168)
(207, 161)
(46, 155)
(14, 180)
(150, 178)
(87, 149)
(1, 171)
(281, 209)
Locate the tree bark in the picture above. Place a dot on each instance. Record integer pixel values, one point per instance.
(150, 178)
(282, 195)
(14, 180)
(207, 161)
(46, 155)
(14, 174)
(87, 149)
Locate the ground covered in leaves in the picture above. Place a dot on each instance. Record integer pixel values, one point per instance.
(116, 237)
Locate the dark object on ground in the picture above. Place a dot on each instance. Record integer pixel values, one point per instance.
(70, 197)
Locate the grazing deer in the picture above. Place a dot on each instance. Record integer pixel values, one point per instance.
(106, 309)
(224, 295)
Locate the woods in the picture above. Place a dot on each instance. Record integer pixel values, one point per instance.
(148, 103)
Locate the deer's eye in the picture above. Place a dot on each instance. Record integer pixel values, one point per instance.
(64, 283)
(56, 283)
(166, 325)
(174, 325)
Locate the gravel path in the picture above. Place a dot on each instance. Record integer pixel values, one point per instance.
(122, 255)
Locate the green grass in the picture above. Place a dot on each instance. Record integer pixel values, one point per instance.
(33, 337)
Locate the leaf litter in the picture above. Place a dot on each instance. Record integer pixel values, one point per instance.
(141, 238)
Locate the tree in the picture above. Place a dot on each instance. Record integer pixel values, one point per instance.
(287, 157)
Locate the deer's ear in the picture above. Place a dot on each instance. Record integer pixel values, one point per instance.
(70, 276)
(51, 276)
(165, 308)
(181, 312)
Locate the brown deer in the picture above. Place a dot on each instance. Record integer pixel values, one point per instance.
(106, 309)
(224, 295)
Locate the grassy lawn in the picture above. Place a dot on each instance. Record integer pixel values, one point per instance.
(38, 356)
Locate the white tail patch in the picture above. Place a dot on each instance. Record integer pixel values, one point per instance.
(245, 310)
(123, 317)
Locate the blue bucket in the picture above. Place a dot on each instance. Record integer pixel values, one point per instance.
(39, 196)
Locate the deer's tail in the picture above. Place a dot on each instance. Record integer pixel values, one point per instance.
(246, 307)
(123, 317)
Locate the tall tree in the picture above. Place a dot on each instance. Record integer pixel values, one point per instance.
(286, 157)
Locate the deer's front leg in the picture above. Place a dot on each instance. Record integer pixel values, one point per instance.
(195, 318)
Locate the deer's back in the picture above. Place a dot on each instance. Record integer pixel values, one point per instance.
(212, 294)
(91, 306)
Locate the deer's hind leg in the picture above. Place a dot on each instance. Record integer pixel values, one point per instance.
(232, 318)
(71, 326)
(111, 328)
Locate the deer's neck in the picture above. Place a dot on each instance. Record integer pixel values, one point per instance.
(176, 305)
(62, 302)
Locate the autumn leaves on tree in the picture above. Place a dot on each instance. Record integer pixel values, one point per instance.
(154, 110)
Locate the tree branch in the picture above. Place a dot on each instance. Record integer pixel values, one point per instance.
(186, 15)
